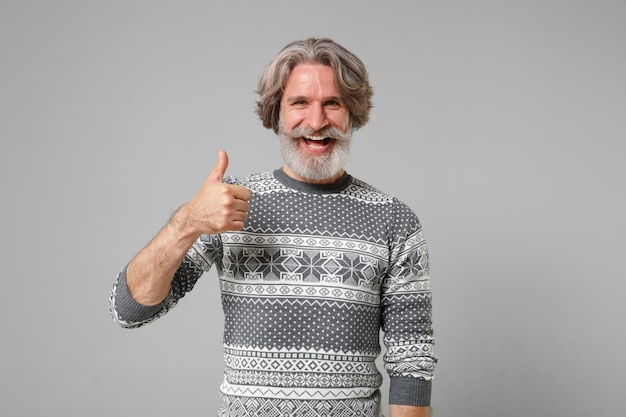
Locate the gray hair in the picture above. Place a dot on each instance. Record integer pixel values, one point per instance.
(350, 75)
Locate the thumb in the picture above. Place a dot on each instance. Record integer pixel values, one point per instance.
(220, 167)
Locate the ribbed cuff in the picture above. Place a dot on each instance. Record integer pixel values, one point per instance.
(409, 391)
(127, 308)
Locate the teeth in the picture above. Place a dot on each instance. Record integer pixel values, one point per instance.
(314, 137)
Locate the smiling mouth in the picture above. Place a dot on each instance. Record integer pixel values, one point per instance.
(316, 142)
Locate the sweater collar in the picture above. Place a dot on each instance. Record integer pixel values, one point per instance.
(335, 187)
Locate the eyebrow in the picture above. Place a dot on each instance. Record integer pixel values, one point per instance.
(304, 98)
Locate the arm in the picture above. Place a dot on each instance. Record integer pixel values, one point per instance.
(149, 275)
(407, 316)
(216, 208)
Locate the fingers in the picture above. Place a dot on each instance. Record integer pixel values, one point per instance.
(241, 205)
(217, 175)
(241, 193)
(220, 207)
(220, 167)
(236, 209)
(230, 215)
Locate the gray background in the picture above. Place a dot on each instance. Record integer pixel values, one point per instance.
(501, 123)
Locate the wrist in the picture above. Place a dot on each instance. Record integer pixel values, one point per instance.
(182, 227)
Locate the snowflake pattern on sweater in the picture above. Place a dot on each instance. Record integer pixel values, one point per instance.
(306, 287)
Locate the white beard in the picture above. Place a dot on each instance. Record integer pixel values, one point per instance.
(315, 167)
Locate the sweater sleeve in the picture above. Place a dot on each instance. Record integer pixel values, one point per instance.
(407, 313)
(128, 313)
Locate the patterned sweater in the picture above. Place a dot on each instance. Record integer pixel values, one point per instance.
(306, 287)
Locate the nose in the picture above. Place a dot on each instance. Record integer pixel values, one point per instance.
(316, 118)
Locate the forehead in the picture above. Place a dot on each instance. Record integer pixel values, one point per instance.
(311, 79)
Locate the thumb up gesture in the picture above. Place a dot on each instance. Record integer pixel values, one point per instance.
(218, 207)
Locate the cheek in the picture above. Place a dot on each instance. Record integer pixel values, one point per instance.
(290, 120)
(340, 120)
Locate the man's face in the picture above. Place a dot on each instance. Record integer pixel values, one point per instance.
(314, 131)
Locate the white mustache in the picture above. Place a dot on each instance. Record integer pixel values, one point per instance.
(328, 132)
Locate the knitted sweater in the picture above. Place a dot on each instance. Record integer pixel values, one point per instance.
(306, 287)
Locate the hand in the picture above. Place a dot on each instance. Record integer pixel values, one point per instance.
(217, 207)
(397, 410)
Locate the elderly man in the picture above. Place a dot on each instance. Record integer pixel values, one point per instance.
(312, 262)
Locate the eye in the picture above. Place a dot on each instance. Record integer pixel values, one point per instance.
(333, 103)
